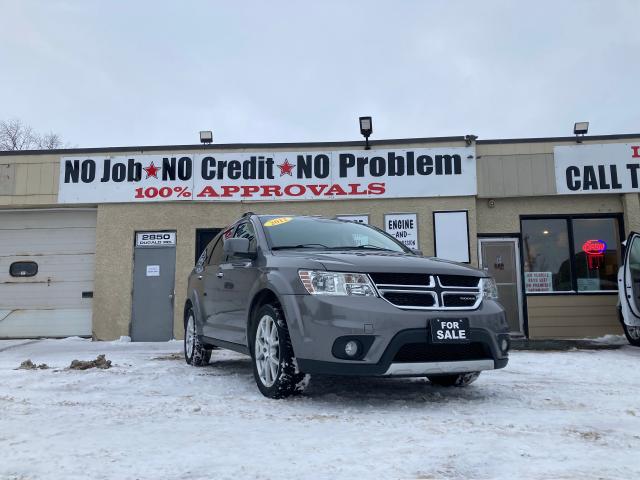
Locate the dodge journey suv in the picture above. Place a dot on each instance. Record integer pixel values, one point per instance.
(307, 295)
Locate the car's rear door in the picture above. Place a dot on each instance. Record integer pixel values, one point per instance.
(239, 276)
(212, 290)
(629, 281)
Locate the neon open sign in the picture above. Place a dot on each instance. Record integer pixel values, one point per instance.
(595, 252)
(594, 247)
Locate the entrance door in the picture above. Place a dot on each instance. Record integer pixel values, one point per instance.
(153, 287)
(501, 258)
(629, 281)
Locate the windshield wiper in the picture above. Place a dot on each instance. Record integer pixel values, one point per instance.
(302, 245)
(362, 247)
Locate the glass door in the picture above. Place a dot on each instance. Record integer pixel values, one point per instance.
(501, 258)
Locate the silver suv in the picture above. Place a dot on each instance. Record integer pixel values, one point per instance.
(307, 295)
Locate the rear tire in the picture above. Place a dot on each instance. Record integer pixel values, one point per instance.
(632, 334)
(195, 352)
(457, 380)
(274, 366)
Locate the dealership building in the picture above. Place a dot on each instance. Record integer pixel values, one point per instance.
(100, 242)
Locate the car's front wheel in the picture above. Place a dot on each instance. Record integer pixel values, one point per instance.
(274, 366)
(457, 380)
(632, 334)
(195, 352)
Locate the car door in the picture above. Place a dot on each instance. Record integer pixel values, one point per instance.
(212, 289)
(629, 281)
(239, 276)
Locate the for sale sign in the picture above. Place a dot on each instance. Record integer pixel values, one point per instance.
(403, 227)
(421, 172)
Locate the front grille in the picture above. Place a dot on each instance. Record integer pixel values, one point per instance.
(458, 281)
(435, 352)
(410, 299)
(429, 292)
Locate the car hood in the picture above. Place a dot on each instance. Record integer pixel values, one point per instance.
(368, 262)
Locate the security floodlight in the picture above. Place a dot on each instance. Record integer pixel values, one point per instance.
(580, 128)
(206, 136)
(366, 128)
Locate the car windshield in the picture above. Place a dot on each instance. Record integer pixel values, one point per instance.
(321, 233)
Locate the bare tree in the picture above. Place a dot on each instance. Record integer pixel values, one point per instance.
(48, 141)
(16, 135)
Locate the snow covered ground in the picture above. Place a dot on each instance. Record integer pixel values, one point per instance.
(547, 415)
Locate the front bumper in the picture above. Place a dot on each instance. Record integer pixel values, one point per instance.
(435, 358)
(401, 343)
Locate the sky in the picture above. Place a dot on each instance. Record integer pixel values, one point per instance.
(121, 73)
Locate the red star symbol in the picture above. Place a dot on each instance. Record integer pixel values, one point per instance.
(152, 170)
(286, 168)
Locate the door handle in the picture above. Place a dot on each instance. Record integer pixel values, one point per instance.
(220, 274)
(199, 277)
(171, 295)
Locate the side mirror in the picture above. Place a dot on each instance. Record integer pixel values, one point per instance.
(417, 252)
(237, 247)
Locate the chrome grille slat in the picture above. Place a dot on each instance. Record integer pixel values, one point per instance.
(445, 296)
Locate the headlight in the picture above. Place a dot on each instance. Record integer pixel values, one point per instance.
(489, 288)
(337, 283)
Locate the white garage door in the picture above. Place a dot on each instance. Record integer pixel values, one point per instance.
(56, 301)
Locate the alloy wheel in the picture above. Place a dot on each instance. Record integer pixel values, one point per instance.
(267, 350)
(190, 336)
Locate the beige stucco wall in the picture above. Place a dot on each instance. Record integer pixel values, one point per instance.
(504, 217)
(117, 224)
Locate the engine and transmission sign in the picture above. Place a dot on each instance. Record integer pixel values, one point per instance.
(323, 175)
(403, 227)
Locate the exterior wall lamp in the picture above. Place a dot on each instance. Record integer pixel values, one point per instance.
(206, 136)
(580, 129)
(366, 128)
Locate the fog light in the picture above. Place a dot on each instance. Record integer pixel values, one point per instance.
(504, 345)
(351, 348)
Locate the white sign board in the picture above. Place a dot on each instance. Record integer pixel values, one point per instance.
(153, 270)
(538, 282)
(354, 218)
(155, 239)
(451, 232)
(269, 176)
(403, 227)
(598, 168)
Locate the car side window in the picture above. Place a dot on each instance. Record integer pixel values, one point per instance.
(246, 230)
(202, 259)
(217, 254)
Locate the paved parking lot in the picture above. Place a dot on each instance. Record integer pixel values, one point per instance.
(573, 414)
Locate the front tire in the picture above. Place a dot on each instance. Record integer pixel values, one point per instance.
(458, 380)
(632, 334)
(195, 352)
(274, 366)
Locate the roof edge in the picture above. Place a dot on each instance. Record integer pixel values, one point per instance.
(227, 146)
(357, 143)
